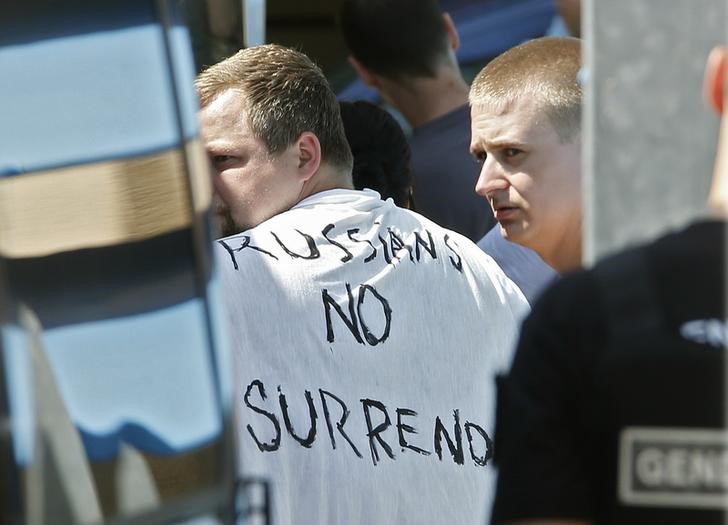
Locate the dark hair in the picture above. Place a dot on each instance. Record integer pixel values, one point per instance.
(395, 38)
(286, 94)
(381, 151)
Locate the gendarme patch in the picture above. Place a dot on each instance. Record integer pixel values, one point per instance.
(673, 467)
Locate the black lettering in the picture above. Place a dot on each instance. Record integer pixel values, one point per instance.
(429, 248)
(384, 249)
(480, 461)
(340, 423)
(459, 263)
(456, 449)
(403, 427)
(325, 232)
(371, 338)
(351, 322)
(244, 244)
(231, 252)
(373, 433)
(276, 441)
(372, 255)
(313, 250)
(396, 244)
(311, 437)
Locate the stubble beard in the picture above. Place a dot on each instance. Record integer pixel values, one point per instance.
(227, 224)
(224, 219)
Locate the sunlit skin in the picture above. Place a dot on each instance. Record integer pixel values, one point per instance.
(715, 94)
(251, 185)
(531, 178)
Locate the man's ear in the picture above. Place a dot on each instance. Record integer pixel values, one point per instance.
(714, 81)
(308, 149)
(369, 78)
(452, 33)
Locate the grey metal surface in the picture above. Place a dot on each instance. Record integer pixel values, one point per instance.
(649, 139)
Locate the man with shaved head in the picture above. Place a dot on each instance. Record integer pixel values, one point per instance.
(526, 135)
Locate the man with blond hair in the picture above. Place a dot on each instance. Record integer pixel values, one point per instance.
(526, 135)
(614, 409)
(363, 334)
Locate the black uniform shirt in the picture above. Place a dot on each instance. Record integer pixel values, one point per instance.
(640, 348)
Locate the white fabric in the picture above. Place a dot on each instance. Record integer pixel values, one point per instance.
(453, 319)
(522, 265)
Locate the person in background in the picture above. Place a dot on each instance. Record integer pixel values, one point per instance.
(526, 135)
(406, 51)
(614, 409)
(381, 152)
(363, 334)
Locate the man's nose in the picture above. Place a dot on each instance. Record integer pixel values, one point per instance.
(491, 179)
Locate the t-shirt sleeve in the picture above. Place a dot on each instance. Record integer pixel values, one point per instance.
(540, 448)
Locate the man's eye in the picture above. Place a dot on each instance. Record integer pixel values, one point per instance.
(480, 157)
(509, 153)
(221, 162)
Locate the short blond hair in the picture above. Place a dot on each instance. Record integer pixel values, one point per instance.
(286, 94)
(544, 69)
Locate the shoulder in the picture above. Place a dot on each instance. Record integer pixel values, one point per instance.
(490, 243)
(566, 324)
(571, 294)
(574, 310)
(584, 288)
(688, 248)
(485, 270)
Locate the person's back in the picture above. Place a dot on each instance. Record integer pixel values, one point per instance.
(629, 359)
(405, 50)
(369, 336)
(662, 380)
(363, 334)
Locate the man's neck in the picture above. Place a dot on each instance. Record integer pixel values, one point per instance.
(567, 255)
(422, 100)
(327, 178)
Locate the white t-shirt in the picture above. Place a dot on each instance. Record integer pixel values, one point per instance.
(365, 340)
